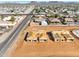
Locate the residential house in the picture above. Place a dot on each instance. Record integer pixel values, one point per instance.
(54, 21)
(69, 21)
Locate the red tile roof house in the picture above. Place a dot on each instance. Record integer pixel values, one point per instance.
(54, 21)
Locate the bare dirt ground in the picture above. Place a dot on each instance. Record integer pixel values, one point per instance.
(49, 48)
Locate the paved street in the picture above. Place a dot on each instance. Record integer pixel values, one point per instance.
(4, 46)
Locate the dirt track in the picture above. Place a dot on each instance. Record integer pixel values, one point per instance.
(49, 48)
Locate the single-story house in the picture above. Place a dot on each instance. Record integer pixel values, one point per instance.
(54, 20)
(44, 23)
(69, 21)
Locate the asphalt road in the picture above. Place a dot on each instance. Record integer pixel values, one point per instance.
(5, 45)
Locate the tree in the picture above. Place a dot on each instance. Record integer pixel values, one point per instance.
(1, 17)
(63, 22)
(12, 19)
(37, 10)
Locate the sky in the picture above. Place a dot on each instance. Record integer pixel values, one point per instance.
(39, 0)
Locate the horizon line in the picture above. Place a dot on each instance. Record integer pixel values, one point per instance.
(31, 1)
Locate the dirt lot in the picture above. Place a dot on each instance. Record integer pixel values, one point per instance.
(49, 48)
